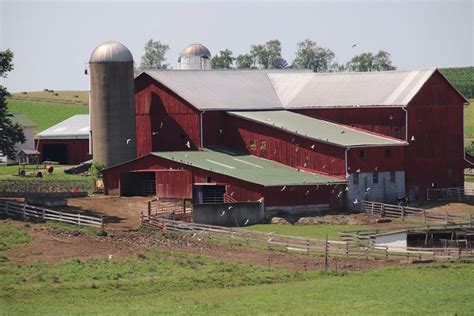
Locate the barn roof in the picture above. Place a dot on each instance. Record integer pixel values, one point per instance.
(291, 89)
(316, 129)
(75, 127)
(247, 168)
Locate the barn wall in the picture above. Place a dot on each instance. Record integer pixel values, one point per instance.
(174, 184)
(376, 159)
(78, 149)
(280, 146)
(436, 155)
(164, 121)
(385, 121)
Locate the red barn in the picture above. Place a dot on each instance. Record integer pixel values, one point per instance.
(379, 136)
(66, 142)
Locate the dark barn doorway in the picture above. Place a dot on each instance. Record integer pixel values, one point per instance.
(208, 193)
(137, 184)
(56, 152)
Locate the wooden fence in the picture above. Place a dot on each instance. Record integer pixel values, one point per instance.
(450, 194)
(402, 212)
(28, 211)
(328, 248)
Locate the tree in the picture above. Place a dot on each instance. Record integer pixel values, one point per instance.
(244, 61)
(370, 62)
(264, 54)
(10, 133)
(155, 55)
(311, 56)
(223, 60)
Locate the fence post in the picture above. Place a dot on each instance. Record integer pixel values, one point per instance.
(6, 208)
(470, 219)
(446, 217)
(23, 210)
(78, 218)
(386, 253)
(149, 208)
(403, 213)
(382, 210)
(326, 250)
(424, 216)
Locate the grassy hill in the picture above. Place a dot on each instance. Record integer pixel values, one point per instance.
(45, 114)
(462, 78)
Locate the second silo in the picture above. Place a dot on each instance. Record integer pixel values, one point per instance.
(112, 106)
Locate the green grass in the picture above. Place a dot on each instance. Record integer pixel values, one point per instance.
(11, 236)
(462, 78)
(45, 114)
(173, 283)
(311, 231)
(11, 173)
(72, 229)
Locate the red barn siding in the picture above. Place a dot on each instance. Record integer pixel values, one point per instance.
(436, 155)
(77, 149)
(164, 121)
(385, 121)
(175, 184)
(375, 159)
(281, 146)
(178, 184)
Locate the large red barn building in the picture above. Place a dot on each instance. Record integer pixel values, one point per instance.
(377, 136)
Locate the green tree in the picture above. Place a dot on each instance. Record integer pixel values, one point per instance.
(223, 60)
(264, 54)
(370, 62)
(245, 61)
(155, 55)
(10, 133)
(311, 56)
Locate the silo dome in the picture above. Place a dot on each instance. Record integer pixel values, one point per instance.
(111, 52)
(195, 56)
(197, 50)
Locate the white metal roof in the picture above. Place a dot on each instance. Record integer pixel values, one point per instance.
(75, 127)
(291, 89)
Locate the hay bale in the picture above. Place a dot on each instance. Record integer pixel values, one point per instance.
(279, 220)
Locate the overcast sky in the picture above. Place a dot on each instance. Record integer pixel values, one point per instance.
(52, 41)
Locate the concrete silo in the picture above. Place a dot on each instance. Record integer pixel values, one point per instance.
(195, 56)
(112, 107)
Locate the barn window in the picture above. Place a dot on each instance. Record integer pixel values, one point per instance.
(263, 144)
(388, 153)
(362, 154)
(355, 179)
(208, 179)
(392, 176)
(375, 177)
(253, 145)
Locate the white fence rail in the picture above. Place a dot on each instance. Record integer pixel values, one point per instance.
(28, 211)
(329, 248)
(402, 212)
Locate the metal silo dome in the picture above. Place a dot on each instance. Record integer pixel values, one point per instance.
(112, 52)
(196, 50)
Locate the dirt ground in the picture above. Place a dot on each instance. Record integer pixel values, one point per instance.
(51, 246)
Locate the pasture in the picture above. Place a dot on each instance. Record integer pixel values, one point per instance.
(45, 114)
(157, 281)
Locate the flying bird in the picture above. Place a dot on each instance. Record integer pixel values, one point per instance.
(129, 141)
(223, 212)
(312, 146)
(188, 144)
(354, 45)
(246, 222)
(154, 133)
(412, 138)
(283, 189)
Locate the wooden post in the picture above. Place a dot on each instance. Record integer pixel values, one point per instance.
(23, 211)
(403, 213)
(6, 208)
(149, 208)
(470, 219)
(382, 210)
(386, 253)
(184, 206)
(424, 216)
(78, 218)
(446, 217)
(326, 250)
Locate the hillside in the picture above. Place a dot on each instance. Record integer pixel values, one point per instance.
(462, 78)
(45, 114)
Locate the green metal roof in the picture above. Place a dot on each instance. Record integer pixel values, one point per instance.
(21, 119)
(316, 129)
(246, 167)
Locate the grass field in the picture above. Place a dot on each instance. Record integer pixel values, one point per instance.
(45, 114)
(162, 282)
(310, 231)
(11, 173)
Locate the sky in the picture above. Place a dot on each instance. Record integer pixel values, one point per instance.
(52, 41)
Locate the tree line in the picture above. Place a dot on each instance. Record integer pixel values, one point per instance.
(309, 55)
